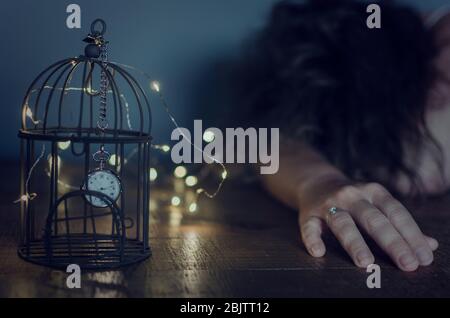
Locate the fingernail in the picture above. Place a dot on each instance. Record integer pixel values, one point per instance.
(408, 261)
(425, 256)
(364, 259)
(316, 249)
(434, 243)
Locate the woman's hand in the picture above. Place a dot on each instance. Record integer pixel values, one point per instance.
(371, 208)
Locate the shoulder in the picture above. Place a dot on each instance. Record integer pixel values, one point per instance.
(439, 24)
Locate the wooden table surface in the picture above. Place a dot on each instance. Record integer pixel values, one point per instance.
(243, 244)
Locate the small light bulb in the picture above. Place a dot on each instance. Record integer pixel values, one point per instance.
(29, 112)
(153, 174)
(63, 145)
(180, 172)
(191, 181)
(88, 89)
(175, 201)
(165, 148)
(154, 85)
(224, 174)
(208, 136)
(192, 207)
(112, 160)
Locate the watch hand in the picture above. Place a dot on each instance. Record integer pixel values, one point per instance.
(110, 187)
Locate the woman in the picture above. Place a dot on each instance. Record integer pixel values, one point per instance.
(363, 114)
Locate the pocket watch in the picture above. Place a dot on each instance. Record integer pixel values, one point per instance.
(104, 181)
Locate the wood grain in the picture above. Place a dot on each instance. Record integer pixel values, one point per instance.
(244, 244)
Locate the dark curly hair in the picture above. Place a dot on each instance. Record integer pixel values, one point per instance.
(356, 94)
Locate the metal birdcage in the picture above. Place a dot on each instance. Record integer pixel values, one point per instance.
(62, 225)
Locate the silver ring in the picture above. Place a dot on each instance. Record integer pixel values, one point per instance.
(333, 210)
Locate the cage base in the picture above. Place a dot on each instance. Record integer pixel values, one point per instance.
(99, 252)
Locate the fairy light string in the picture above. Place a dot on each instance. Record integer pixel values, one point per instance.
(155, 87)
(64, 145)
(30, 196)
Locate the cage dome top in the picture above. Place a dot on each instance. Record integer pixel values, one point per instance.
(64, 101)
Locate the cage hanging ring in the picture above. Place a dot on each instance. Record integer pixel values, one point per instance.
(103, 27)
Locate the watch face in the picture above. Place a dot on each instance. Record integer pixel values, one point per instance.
(104, 181)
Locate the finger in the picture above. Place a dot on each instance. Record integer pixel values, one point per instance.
(311, 231)
(433, 243)
(403, 222)
(345, 230)
(387, 237)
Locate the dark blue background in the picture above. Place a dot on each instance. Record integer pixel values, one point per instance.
(177, 41)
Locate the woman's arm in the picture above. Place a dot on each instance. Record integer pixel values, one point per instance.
(307, 182)
(301, 169)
